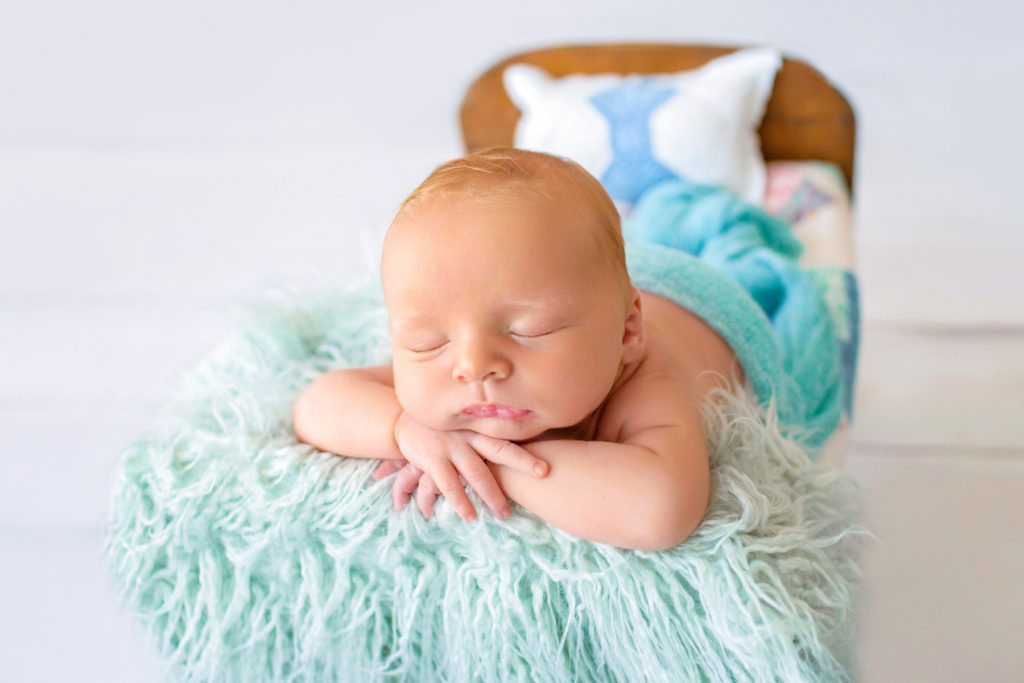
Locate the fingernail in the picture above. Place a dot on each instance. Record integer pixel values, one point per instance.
(472, 517)
(541, 469)
(505, 512)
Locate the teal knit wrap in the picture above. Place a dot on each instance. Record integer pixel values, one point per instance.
(735, 266)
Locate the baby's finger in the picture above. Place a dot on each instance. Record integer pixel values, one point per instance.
(480, 477)
(405, 484)
(447, 481)
(426, 493)
(502, 452)
(386, 467)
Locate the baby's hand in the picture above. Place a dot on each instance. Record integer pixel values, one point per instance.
(443, 462)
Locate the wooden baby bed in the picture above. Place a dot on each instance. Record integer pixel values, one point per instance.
(806, 117)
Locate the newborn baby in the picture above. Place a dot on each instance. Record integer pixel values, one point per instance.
(525, 363)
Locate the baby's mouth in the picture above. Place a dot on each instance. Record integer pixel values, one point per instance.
(495, 410)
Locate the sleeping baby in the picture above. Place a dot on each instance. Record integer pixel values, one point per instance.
(526, 365)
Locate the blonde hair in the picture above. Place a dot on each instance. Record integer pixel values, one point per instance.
(509, 173)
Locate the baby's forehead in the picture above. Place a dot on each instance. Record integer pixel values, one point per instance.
(528, 239)
(565, 219)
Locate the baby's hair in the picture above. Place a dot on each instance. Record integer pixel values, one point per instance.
(507, 172)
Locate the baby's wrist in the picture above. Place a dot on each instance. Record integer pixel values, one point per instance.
(401, 419)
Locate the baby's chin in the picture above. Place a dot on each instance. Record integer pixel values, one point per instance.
(508, 430)
(527, 433)
(523, 430)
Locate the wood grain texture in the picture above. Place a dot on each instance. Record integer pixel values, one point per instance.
(805, 118)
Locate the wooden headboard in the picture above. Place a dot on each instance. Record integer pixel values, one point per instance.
(806, 117)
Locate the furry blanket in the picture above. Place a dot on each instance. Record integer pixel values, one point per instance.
(250, 557)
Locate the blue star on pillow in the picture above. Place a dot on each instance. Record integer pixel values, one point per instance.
(628, 108)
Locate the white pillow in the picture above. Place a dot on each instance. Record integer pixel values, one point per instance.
(632, 132)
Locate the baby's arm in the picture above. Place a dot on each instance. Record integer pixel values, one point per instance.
(351, 412)
(648, 492)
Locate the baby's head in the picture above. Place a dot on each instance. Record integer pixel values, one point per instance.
(511, 308)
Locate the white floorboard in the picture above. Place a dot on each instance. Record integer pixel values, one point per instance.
(942, 581)
(935, 386)
(60, 620)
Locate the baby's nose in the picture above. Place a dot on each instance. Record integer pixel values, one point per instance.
(477, 362)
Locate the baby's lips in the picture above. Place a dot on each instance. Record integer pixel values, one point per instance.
(495, 410)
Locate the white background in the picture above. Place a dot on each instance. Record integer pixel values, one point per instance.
(158, 162)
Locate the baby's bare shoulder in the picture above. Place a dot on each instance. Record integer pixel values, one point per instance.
(658, 396)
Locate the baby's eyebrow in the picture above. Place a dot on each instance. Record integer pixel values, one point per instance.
(533, 304)
(409, 320)
(513, 306)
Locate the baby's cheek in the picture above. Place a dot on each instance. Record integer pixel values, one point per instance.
(583, 384)
(408, 388)
(420, 398)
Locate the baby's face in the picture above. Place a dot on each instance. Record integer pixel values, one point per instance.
(500, 322)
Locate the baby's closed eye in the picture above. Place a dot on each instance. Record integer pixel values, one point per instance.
(531, 333)
(531, 329)
(425, 346)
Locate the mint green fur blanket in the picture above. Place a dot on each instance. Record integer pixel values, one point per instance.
(250, 557)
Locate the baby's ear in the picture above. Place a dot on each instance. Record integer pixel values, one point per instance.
(633, 339)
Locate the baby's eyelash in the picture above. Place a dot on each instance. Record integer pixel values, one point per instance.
(533, 335)
(427, 349)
